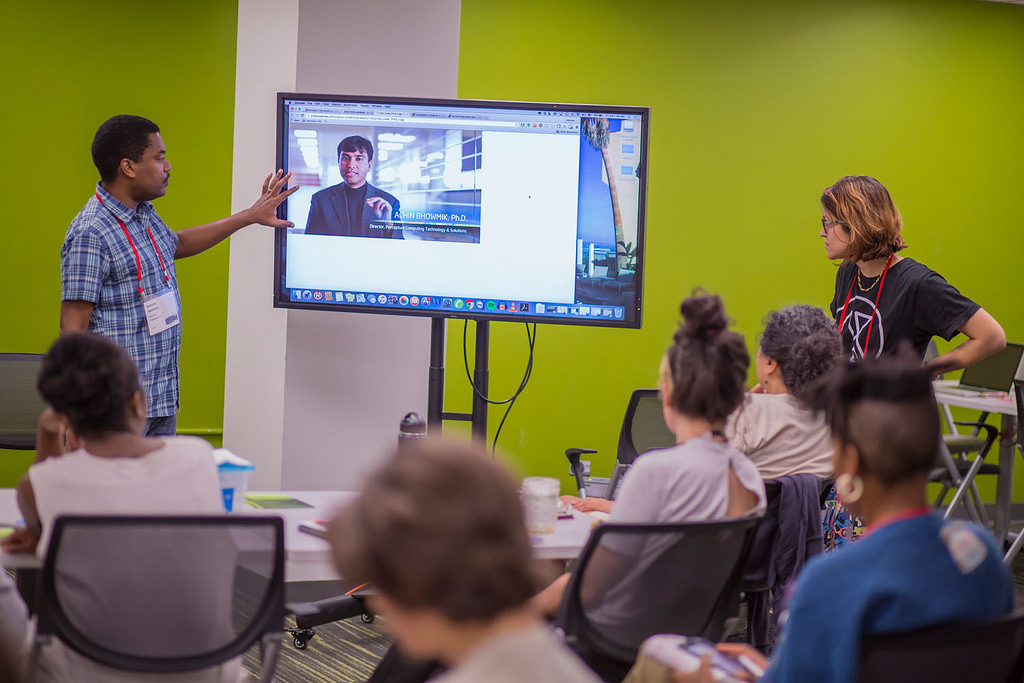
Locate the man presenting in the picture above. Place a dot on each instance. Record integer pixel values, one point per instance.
(117, 260)
(354, 207)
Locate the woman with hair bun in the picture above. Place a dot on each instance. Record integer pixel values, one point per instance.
(774, 426)
(702, 477)
(882, 298)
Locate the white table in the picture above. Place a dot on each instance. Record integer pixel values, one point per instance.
(307, 557)
(1006, 408)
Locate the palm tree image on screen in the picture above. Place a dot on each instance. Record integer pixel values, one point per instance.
(595, 130)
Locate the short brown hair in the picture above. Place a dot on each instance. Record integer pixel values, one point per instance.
(440, 526)
(867, 214)
(706, 366)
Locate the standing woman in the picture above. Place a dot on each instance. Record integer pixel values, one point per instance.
(882, 298)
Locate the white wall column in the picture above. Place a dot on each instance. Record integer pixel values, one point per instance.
(268, 32)
(314, 398)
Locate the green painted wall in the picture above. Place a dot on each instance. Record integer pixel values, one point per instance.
(757, 106)
(69, 66)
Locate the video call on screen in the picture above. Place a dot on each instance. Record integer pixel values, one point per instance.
(458, 207)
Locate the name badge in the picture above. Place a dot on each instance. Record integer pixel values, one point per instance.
(161, 312)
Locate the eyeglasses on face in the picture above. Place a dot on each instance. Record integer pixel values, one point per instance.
(825, 222)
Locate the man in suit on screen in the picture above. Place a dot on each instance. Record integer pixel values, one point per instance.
(354, 207)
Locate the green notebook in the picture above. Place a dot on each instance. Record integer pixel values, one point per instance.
(274, 502)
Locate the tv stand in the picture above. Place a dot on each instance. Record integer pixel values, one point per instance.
(435, 388)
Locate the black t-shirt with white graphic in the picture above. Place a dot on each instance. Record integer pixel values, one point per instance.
(916, 304)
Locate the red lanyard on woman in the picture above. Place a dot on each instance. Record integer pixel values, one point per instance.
(138, 261)
(878, 296)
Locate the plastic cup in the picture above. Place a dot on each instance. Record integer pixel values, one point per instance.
(540, 504)
(233, 473)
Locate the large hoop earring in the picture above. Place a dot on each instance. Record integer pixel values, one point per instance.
(850, 488)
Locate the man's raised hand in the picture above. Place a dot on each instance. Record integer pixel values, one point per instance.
(264, 211)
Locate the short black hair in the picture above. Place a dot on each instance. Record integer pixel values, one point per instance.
(89, 380)
(124, 136)
(356, 143)
(885, 408)
(804, 341)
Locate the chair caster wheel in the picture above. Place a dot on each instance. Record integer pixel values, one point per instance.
(301, 637)
(366, 617)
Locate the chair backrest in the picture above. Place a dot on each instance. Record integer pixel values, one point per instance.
(162, 593)
(1018, 393)
(20, 403)
(633, 581)
(643, 426)
(991, 651)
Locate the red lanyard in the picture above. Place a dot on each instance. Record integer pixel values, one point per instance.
(878, 296)
(138, 261)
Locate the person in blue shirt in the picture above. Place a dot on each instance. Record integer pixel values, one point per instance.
(912, 569)
(117, 262)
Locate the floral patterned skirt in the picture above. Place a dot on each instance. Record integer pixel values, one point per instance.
(838, 526)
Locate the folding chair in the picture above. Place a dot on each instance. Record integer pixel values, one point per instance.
(636, 580)
(161, 594)
(953, 470)
(643, 429)
(1018, 393)
(991, 651)
(958, 473)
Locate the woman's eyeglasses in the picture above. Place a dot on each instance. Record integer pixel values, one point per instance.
(826, 222)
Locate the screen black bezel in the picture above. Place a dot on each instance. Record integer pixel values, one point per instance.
(283, 301)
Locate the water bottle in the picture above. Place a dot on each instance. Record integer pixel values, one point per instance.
(411, 428)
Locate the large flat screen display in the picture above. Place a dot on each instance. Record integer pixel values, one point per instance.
(512, 211)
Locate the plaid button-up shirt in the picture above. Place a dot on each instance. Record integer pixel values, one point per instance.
(97, 264)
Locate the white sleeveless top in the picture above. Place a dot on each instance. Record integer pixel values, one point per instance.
(180, 478)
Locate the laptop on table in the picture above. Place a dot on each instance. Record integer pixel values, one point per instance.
(989, 375)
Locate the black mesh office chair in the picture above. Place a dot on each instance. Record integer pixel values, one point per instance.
(991, 651)
(643, 429)
(20, 403)
(162, 594)
(636, 580)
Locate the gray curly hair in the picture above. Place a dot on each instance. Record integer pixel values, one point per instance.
(804, 341)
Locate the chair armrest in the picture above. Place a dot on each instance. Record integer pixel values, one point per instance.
(573, 455)
(990, 432)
